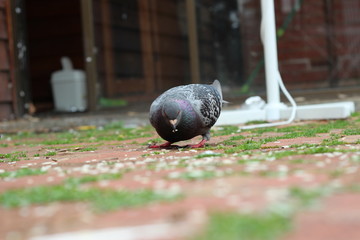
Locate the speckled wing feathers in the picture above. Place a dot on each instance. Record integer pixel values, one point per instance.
(210, 105)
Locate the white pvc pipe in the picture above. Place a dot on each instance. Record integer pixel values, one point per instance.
(268, 36)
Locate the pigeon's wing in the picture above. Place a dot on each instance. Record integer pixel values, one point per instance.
(210, 99)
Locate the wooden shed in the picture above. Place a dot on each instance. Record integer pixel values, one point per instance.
(135, 49)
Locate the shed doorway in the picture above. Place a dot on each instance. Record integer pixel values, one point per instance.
(54, 30)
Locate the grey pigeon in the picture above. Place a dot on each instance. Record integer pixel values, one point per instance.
(187, 111)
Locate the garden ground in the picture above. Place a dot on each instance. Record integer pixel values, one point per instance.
(300, 181)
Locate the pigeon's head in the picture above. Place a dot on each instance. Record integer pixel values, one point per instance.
(172, 113)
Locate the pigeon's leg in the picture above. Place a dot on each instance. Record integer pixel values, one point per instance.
(206, 137)
(199, 145)
(164, 145)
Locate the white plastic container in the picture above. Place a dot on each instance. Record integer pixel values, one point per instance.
(69, 88)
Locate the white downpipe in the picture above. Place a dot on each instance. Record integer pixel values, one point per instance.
(274, 107)
(268, 37)
(272, 74)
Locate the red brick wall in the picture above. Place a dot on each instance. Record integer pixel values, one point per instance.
(6, 107)
(316, 48)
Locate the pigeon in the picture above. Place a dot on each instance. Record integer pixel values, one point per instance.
(186, 111)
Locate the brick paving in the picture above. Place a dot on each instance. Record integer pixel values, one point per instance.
(214, 179)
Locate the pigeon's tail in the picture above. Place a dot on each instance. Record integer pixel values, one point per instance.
(216, 84)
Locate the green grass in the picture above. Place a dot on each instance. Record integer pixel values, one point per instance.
(307, 130)
(72, 190)
(272, 224)
(12, 157)
(229, 142)
(332, 140)
(49, 154)
(248, 144)
(101, 199)
(22, 172)
(308, 150)
(352, 131)
(92, 178)
(112, 132)
(239, 143)
(75, 148)
(236, 138)
(304, 149)
(224, 130)
(196, 174)
(336, 173)
(85, 149)
(208, 154)
(306, 197)
(269, 226)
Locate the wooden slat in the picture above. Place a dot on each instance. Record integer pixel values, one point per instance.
(89, 53)
(5, 111)
(3, 30)
(109, 76)
(44, 9)
(146, 44)
(193, 41)
(14, 106)
(129, 40)
(158, 77)
(5, 91)
(4, 59)
(51, 28)
(65, 46)
(173, 46)
(169, 26)
(129, 85)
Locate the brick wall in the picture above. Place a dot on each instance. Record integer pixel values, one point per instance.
(320, 47)
(6, 107)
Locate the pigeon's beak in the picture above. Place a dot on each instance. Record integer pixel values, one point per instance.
(174, 123)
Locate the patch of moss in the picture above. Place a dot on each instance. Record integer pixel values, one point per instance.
(224, 130)
(248, 144)
(12, 157)
(299, 161)
(206, 155)
(268, 226)
(92, 178)
(196, 174)
(48, 154)
(22, 172)
(306, 197)
(112, 132)
(229, 143)
(236, 138)
(307, 130)
(336, 173)
(101, 199)
(332, 140)
(73, 191)
(352, 131)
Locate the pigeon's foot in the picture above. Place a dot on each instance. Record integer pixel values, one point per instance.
(199, 145)
(168, 145)
(164, 145)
